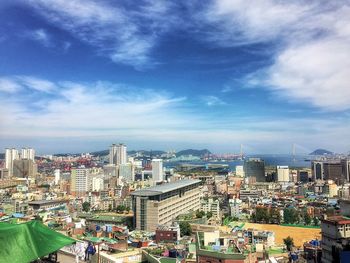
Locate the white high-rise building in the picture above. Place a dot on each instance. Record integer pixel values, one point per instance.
(283, 174)
(97, 184)
(10, 156)
(28, 153)
(157, 170)
(57, 174)
(118, 154)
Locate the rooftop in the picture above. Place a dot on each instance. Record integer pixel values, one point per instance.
(164, 188)
(337, 220)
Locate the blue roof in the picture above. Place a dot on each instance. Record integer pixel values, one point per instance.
(17, 215)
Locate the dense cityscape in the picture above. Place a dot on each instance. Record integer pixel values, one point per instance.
(184, 131)
(155, 206)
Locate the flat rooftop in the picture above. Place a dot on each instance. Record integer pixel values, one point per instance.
(164, 188)
(337, 220)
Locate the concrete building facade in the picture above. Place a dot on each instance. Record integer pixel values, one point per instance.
(160, 205)
(283, 174)
(157, 170)
(118, 154)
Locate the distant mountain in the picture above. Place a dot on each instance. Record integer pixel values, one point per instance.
(100, 153)
(321, 152)
(147, 153)
(192, 152)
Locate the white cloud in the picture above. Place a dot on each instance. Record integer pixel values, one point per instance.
(241, 22)
(41, 36)
(103, 111)
(126, 36)
(311, 41)
(226, 89)
(66, 46)
(8, 85)
(212, 100)
(36, 83)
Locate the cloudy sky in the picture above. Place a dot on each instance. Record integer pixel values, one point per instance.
(78, 75)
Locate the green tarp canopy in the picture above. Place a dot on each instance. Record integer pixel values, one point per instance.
(23, 243)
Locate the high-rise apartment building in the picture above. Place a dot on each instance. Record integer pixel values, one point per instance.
(254, 167)
(80, 181)
(24, 168)
(57, 174)
(160, 205)
(28, 153)
(117, 154)
(283, 174)
(10, 156)
(157, 170)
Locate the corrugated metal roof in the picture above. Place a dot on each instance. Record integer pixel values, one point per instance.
(164, 188)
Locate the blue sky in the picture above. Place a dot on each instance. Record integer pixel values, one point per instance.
(79, 75)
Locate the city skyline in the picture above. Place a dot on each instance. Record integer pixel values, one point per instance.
(76, 76)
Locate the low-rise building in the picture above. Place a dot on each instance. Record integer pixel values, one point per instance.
(335, 238)
(168, 233)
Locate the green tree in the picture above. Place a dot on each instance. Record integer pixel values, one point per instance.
(290, 216)
(262, 214)
(307, 219)
(253, 218)
(120, 208)
(315, 221)
(185, 228)
(275, 216)
(200, 214)
(289, 242)
(86, 206)
(209, 214)
(110, 207)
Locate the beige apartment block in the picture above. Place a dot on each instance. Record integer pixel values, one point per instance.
(160, 205)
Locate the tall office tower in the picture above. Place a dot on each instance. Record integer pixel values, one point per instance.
(10, 156)
(254, 167)
(328, 170)
(333, 171)
(346, 169)
(80, 182)
(28, 153)
(160, 205)
(283, 174)
(157, 170)
(57, 174)
(118, 154)
(317, 170)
